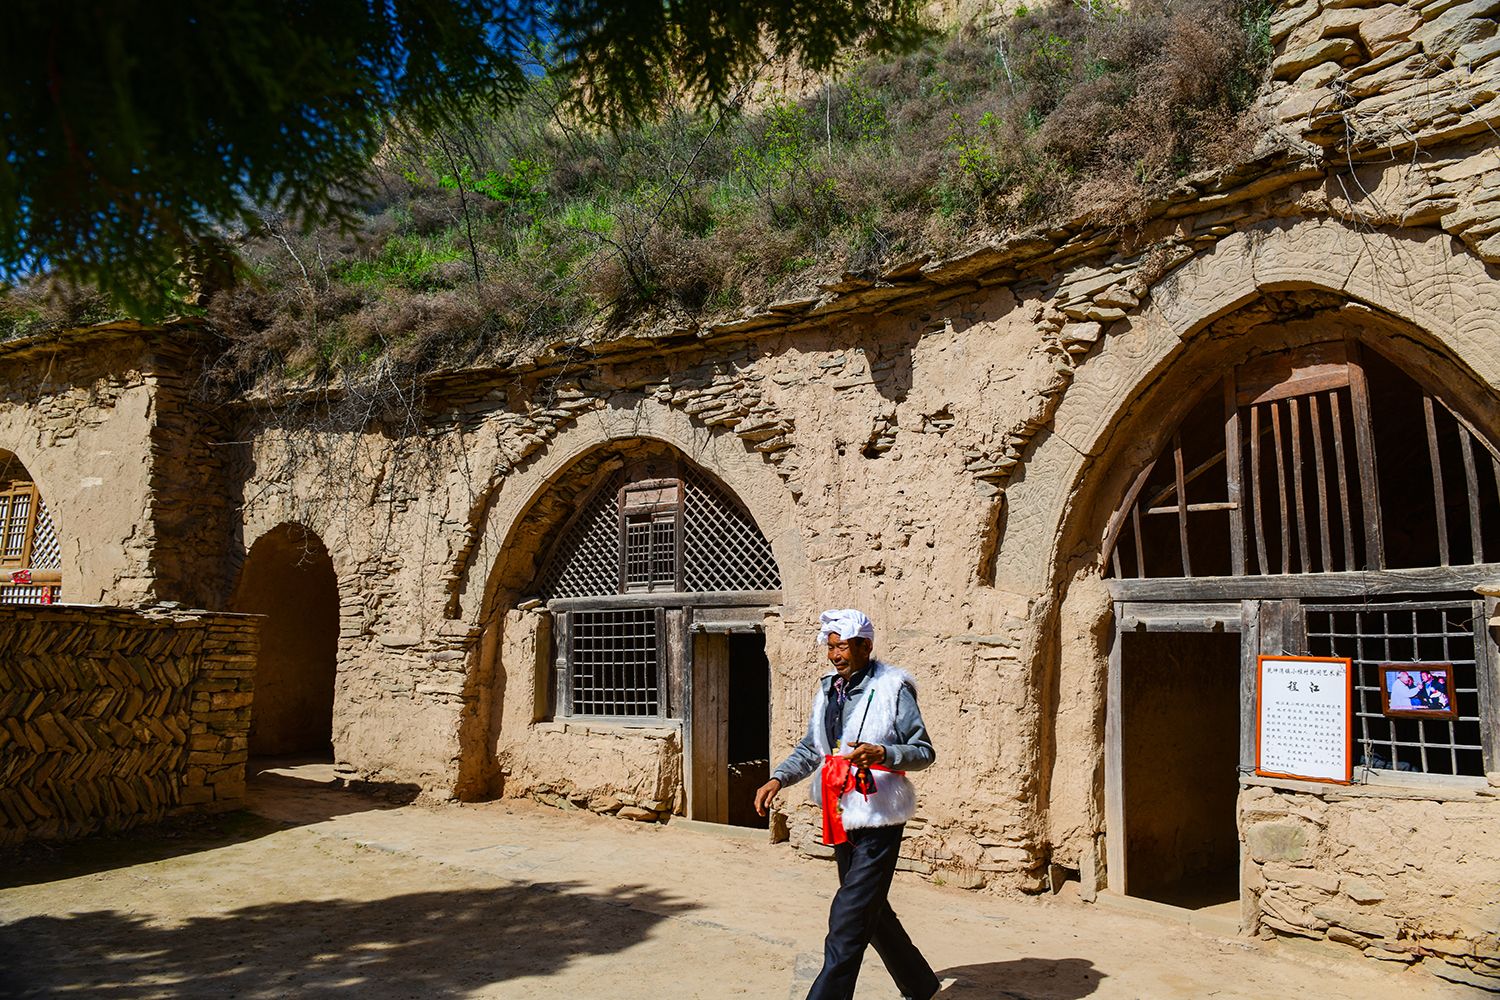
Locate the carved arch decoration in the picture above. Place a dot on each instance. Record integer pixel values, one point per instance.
(504, 551)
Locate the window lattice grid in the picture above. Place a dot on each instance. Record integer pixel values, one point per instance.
(651, 551)
(15, 524)
(587, 563)
(46, 550)
(1407, 632)
(17, 593)
(614, 663)
(722, 549)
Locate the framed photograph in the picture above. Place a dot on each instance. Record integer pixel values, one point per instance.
(1417, 691)
(1304, 718)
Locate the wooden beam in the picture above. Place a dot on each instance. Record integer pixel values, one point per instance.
(1233, 472)
(1260, 528)
(1286, 521)
(1117, 522)
(1471, 479)
(1336, 415)
(1298, 497)
(1439, 500)
(1116, 876)
(1182, 504)
(1371, 583)
(1325, 523)
(1364, 448)
(730, 599)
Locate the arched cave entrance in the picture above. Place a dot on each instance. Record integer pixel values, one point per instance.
(289, 578)
(657, 580)
(30, 550)
(1319, 499)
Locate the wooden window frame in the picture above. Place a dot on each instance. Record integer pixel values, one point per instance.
(8, 494)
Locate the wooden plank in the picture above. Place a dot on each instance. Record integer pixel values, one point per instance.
(1299, 499)
(710, 758)
(1140, 550)
(1250, 648)
(1286, 521)
(1191, 475)
(1487, 660)
(1182, 511)
(1439, 500)
(1324, 379)
(1193, 508)
(1234, 472)
(1471, 479)
(1179, 616)
(563, 623)
(733, 599)
(679, 650)
(1336, 417)
(1116, 877)
(1320, 467)
(1364, 450)
(1117, 522)
(1372, 582)
(1255, 493)
(1302, 370)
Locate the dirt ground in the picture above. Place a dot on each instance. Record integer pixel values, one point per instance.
(318, 891)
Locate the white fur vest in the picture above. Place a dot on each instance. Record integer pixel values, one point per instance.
(894, 800)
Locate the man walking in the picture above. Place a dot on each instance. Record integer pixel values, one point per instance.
(865, 733)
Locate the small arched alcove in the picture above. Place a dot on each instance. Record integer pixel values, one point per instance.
(30, 551)
(289, 578)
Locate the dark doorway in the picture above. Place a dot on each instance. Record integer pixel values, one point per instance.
(1179, 696)
(749, 712)
(289, 578)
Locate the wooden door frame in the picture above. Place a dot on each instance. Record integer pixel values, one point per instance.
(1154, 616)
(706, 628)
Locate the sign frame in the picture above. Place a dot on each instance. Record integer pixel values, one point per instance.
(1260, 675)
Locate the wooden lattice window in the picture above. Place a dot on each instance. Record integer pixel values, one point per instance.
(18, 513)
(684, 534)
(1316, 460)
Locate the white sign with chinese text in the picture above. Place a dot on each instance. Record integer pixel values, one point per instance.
(1303, 718)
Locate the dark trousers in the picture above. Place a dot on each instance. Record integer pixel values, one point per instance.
(860, 915)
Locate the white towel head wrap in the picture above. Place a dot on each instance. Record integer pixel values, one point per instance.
(846, 624)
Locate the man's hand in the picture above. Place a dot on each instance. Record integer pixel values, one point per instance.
(765, 796)
(865, 754)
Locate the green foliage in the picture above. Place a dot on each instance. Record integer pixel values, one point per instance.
(526, 223)
(132, 132)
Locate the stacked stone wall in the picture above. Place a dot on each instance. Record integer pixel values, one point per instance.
(1388, 873)
(110, 717)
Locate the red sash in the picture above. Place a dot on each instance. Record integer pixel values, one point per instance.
(837, 778)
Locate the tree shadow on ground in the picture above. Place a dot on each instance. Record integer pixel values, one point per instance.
(428, 944)
(278, 801)
(1024, 979)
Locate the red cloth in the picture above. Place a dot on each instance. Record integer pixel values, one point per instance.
(838, 778)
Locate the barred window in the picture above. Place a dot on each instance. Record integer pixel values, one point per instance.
(614, 663)
(1378, 636)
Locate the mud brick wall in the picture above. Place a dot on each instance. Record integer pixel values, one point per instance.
(111, 717)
